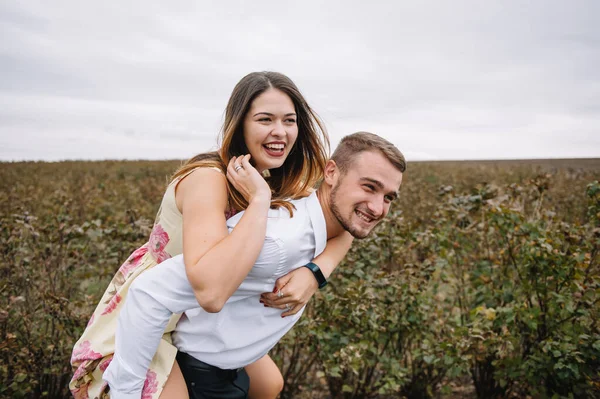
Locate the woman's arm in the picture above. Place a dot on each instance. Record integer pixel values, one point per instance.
(216, 262)
(299, 285)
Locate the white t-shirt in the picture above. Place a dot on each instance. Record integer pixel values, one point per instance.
(242, 332)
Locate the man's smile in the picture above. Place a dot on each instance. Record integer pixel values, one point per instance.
(363, 216)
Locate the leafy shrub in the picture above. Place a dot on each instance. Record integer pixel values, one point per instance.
(487, 289)
(527, 290)
(494, 286)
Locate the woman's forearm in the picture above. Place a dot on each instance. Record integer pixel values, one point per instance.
(221, 270)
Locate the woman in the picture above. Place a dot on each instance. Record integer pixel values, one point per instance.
(268, 119)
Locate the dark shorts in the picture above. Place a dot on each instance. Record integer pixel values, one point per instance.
(207, 382)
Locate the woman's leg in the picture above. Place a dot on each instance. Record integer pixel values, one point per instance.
(175, 387)
(266, 381)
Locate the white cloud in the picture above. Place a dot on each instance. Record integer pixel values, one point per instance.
(444, 80)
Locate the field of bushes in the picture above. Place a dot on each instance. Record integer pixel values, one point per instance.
(484, 281)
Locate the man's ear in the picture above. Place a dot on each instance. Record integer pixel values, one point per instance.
(332, 172)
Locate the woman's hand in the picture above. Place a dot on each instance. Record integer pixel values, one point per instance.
(291, 292)
(246, 179)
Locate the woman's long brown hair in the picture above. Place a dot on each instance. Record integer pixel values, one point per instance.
(305, 164)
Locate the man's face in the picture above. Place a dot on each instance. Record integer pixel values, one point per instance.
(362, 197)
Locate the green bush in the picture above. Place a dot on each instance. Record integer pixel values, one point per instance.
(527, 287)
(495, 286)
(468, 289)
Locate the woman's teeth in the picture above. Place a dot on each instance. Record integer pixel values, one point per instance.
(275, 147)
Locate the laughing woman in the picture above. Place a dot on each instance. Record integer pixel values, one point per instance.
(269, 123)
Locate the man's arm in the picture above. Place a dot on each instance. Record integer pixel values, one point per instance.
(151, 301)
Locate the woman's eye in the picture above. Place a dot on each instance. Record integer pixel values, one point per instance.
(264, 119)
(290, 120)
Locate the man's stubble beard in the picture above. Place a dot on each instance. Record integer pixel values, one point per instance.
(346, 225)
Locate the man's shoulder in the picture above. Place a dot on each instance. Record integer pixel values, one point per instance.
(306, 201)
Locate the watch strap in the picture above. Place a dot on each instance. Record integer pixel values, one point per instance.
(314, 268)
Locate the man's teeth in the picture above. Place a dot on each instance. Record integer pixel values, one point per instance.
(275, 147)
(363, 217)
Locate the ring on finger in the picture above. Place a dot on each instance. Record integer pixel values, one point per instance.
(238, 167)
(288, 307)
(280, 294)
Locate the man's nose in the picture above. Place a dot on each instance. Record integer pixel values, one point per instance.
(377, 206)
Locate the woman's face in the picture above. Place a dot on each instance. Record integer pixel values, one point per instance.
(270, 129)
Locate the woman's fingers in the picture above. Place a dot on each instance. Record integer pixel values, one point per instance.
(292, 311)
(246, 179)
(240, 166)
(235, 164)
(291, 292)
(245, 162)
(231, 167)
(282, 282)
(289, 306)
(284, 301)
(236, 176)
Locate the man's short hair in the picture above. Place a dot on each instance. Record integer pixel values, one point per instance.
(355, 143)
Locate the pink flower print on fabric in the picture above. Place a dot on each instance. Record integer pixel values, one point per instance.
(157, 243)
(84, 352)
(91, 320)
(81, 392)
(150, 385)
(112, 305)
(134, 260)
(78, 373)
(104, 364)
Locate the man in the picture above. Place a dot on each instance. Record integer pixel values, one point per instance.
(361, 181)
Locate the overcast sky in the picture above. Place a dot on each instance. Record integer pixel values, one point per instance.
(441, 79)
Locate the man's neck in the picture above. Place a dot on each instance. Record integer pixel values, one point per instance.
(334, 228)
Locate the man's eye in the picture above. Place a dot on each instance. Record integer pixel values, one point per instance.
(369, 187)
(389, 198)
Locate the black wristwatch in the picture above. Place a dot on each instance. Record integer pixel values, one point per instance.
(318, 274)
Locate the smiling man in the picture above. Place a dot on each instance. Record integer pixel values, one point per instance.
(361, 180)
(367, 161)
